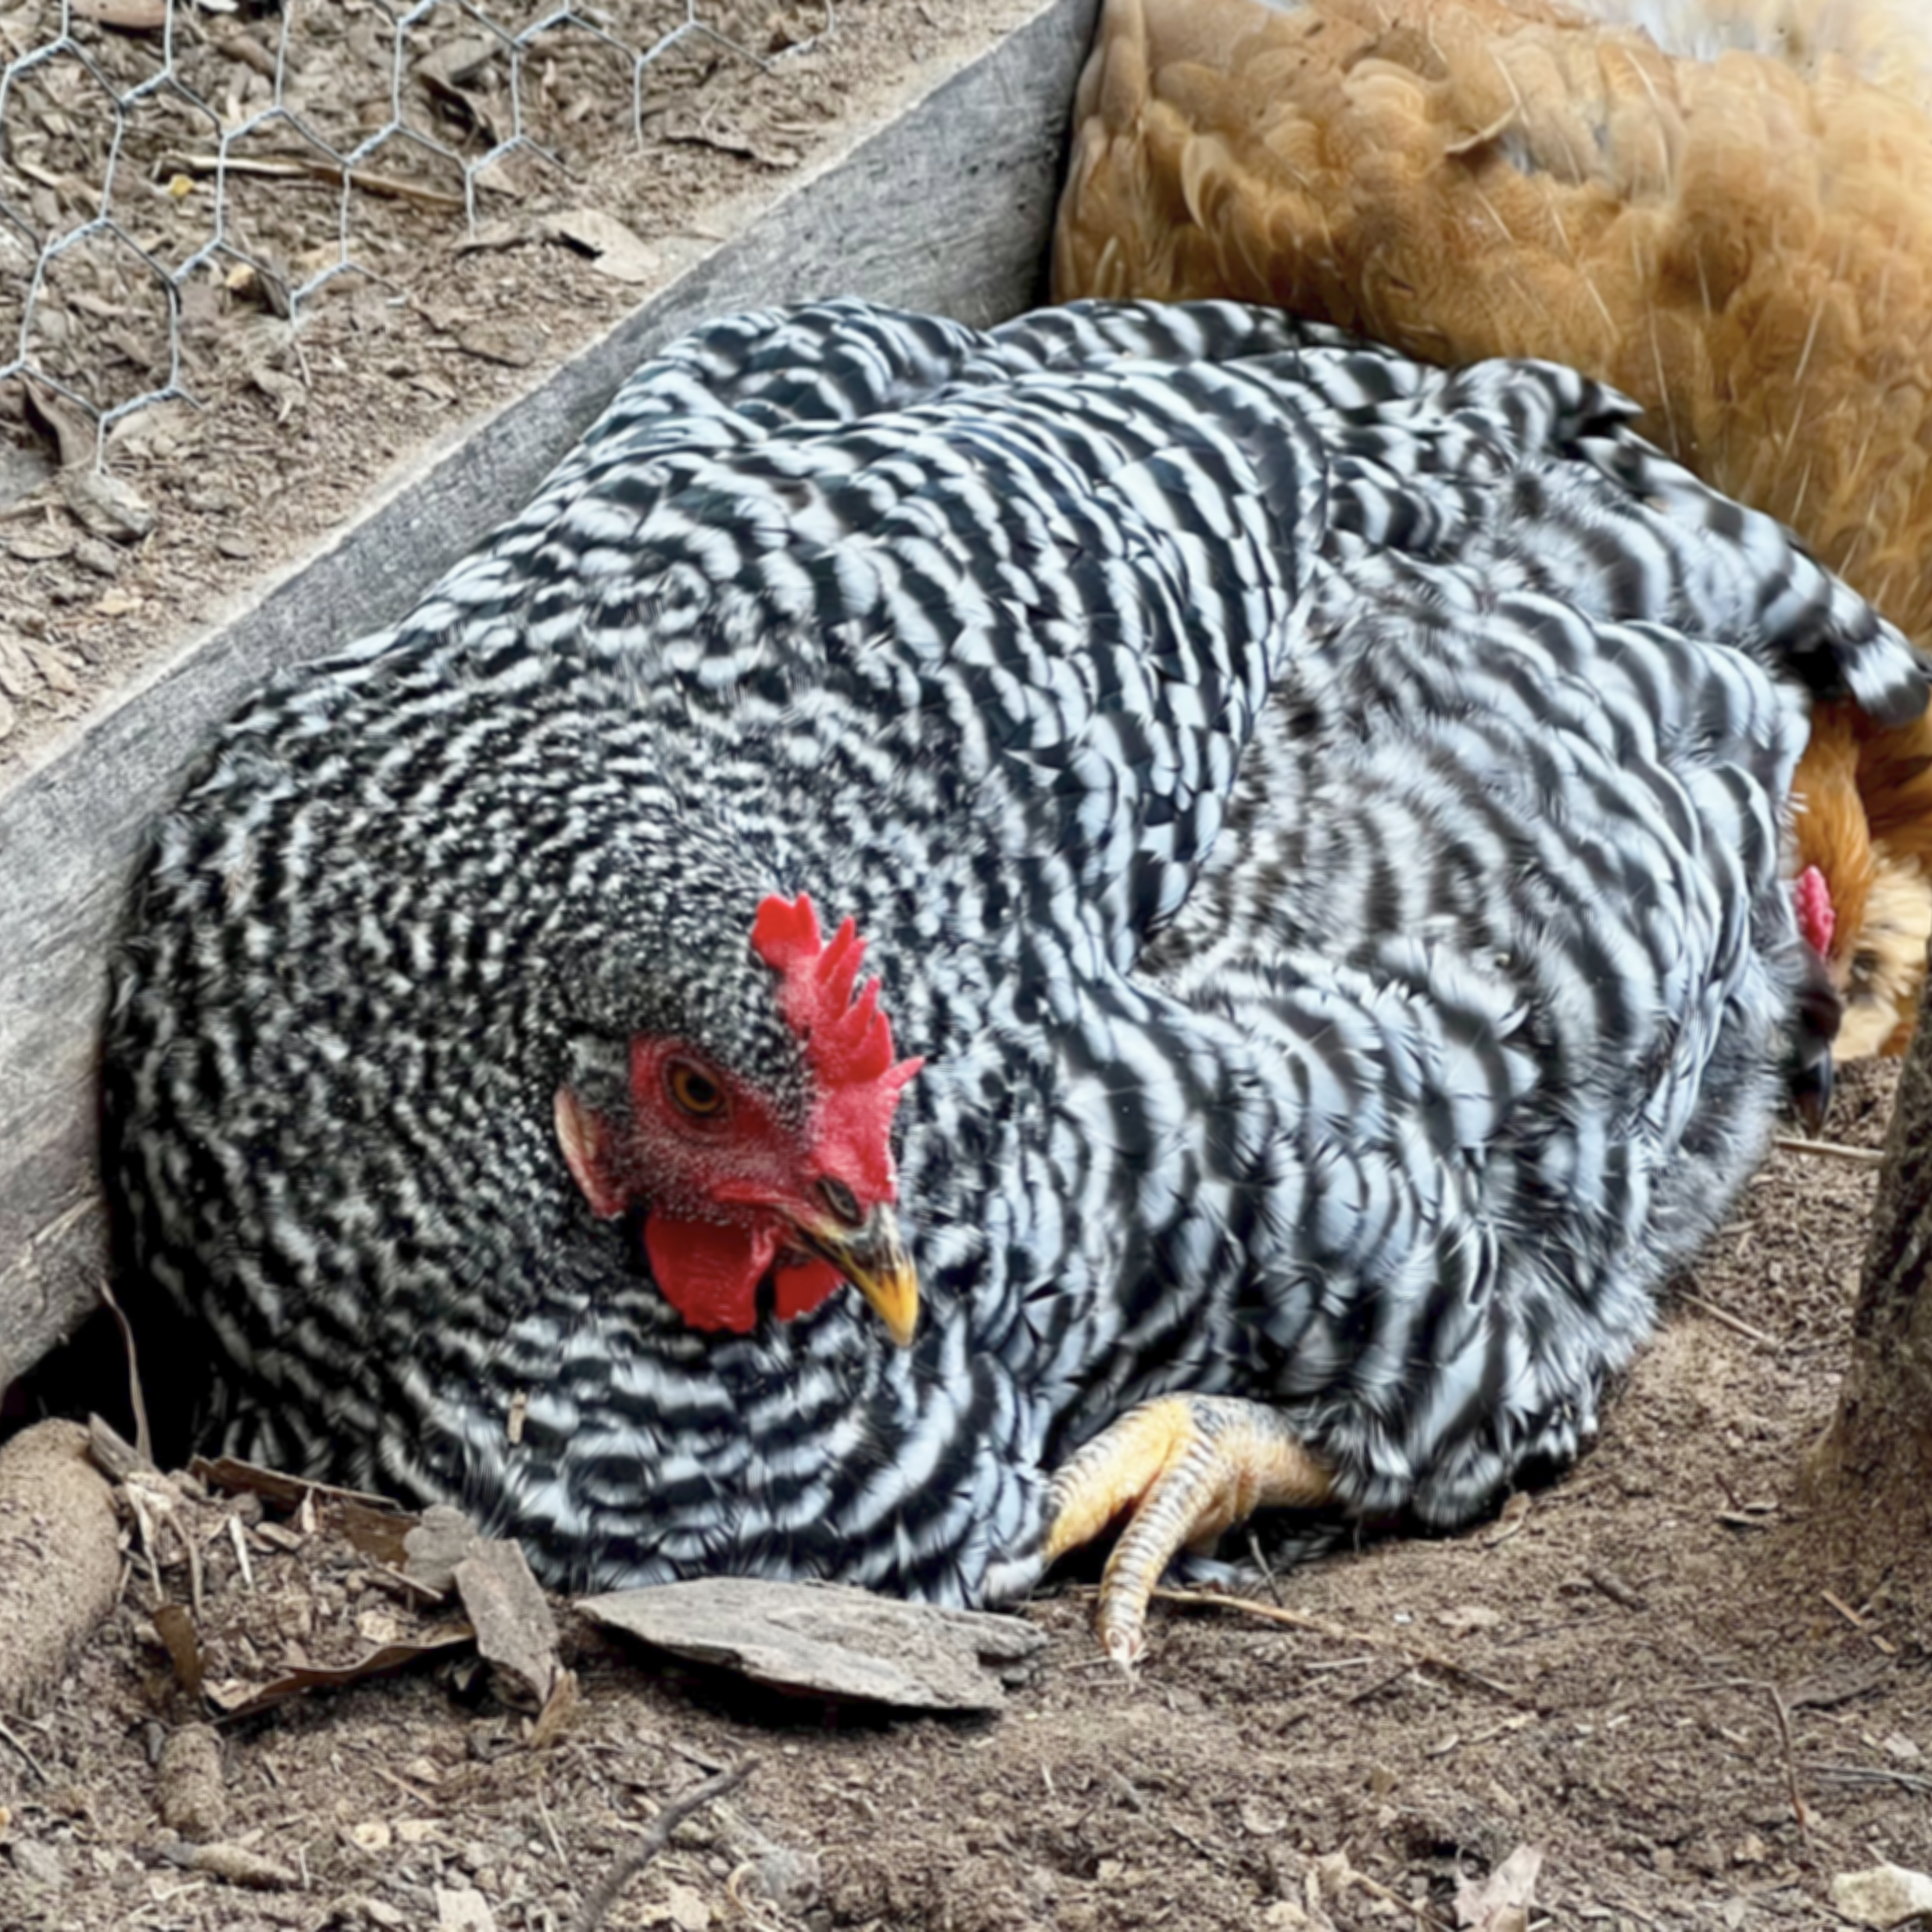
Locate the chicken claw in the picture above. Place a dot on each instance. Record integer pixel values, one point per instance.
(1184, 1468)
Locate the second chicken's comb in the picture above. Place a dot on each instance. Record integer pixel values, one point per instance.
(1817, 917)
(848, 1040)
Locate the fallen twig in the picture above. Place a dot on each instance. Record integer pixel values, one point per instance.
(33, 1763)
(674, 1812)
(1870, 1774)
(1833, 1150)
(1614, 1586)
(1723, 1317)
(1422, 1914)
(240, 1542)
(301, 171)
(1339, 1634)
(1791, 1763)
(556, 1846)
(1862, 1623)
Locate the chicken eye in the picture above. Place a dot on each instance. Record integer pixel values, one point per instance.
(1864, 967)
(694, 1089)
(841, 1199)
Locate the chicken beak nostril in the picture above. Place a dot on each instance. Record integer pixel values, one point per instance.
(872, 1256)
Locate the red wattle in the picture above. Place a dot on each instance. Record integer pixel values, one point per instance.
(709, 1270)
(798, 1287)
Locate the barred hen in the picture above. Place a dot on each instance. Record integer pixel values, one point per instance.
(1315, 824)
(1736, 230)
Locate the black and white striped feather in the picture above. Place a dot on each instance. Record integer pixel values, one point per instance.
(1320, 817)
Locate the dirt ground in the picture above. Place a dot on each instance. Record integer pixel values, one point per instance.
(1637, 1672)
(435, 322)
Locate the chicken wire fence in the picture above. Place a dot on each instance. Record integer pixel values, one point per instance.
(148, 148)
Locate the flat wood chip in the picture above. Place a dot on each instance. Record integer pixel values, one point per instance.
(829, 1639)
(514, 1629)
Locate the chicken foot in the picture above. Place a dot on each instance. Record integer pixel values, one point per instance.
(1183, 1469)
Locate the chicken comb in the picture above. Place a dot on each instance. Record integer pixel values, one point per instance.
(1817, 917)
(847, 1039)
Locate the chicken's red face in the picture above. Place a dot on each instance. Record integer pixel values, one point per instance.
(731, 1192)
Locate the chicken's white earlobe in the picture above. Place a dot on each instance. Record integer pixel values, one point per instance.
(585, 1140)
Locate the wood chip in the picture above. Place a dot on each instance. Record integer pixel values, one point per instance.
(686, 1910)
(514, 1629)
(1615, 1588)
(55, 668)
(835, 1641)
(94, 554)
(459, 1909)
(60, 1556)
(236, 1865)
(18, 679)
(1464, 1618)
(434, 1547)
(189, 1784)
(515, 348)
(492, 236)
(47, 544)
(124, 16)
(1886, 1896)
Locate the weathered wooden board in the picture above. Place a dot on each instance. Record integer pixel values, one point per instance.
(947, 207)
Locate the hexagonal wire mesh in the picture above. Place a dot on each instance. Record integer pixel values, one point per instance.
(136, 135)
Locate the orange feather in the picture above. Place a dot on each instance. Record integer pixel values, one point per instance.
(1742, 242)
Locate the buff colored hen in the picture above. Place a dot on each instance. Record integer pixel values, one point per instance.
(1741, 240)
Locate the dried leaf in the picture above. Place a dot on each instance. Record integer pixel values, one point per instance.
(106, 505)
(236, 1699)
(1501, 1902)
(614, 249)
(177, 1631)
(65, 424)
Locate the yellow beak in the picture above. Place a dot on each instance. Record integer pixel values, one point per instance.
(874, 1259)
